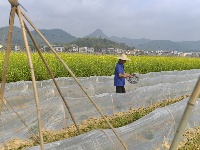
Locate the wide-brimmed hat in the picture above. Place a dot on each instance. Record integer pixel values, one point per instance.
(123, 57)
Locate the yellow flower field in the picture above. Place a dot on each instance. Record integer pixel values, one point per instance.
(84, 65)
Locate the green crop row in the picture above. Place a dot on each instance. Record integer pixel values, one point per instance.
(85, 65)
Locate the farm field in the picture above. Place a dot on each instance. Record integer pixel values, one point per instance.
(86, 65)
(170, 79)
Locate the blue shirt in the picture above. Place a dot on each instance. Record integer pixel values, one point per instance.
(117, 80)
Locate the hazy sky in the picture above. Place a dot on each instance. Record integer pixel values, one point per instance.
(176, 20)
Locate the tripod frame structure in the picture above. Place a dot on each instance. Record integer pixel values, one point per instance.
(15, 9)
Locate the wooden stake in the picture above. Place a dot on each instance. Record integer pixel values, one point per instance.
(6, 60)
(190, 105)
(72, 74)
(33, 78)
(52, 76)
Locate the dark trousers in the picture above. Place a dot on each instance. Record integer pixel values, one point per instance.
(120, 89)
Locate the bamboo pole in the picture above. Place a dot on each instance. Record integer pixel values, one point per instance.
(52, 76)
(92, 101)
(190, 105)
(33, 78)
(6, 60)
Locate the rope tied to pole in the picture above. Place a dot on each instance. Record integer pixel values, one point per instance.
(14, 3)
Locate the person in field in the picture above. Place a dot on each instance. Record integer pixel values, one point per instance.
(120, 74)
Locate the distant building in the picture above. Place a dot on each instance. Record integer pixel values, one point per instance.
(90, 50)
(44, 48)
(75, 49)
(59, 48)
(128, 52)
(17, 48)
(111, 50)
(175, 52)
(86, 50)
(82, 49)
(117, 50)
(182, 54)
(187, 54)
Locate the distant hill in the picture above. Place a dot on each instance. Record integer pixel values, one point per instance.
(190, 45)
(97, 34)
(130, 42)
(160, 45)
(54, 36)
(58, 36)
(99, 43)
(147, 44)
(16, 35)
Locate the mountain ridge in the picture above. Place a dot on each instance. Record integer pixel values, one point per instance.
(59, 36)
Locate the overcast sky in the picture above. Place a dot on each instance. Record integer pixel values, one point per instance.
(176, 20)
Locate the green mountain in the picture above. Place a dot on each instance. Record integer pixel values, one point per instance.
(167, 45)
(97, 34)
(58, 36)
(130, 42)
(147, 44)
(160, 45)
(190, 45)
(99, 43)
(54, 36)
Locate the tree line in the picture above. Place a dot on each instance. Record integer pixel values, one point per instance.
(98, 43)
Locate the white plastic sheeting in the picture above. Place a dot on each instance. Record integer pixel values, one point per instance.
(146, 133)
